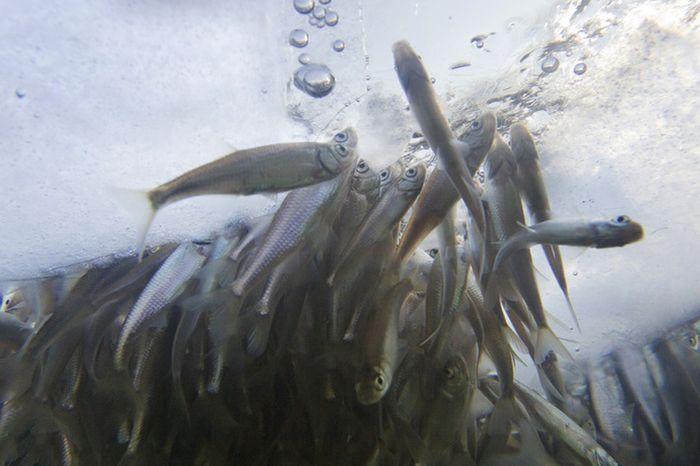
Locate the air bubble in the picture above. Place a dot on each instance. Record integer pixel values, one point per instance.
(319, 12)
(324, 2)
(338, 45)
(550, 64)
(331, 18)
(298, 38)
(478, 42)
(20, 93)
(304, 6)
(580, 68)
(304, 59)
(314, 79)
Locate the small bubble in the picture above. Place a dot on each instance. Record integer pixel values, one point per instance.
(338, 45)
(580, 68)
(367, 77)
(324, 2)
(304, 6)
(331, 18)
(313, 21)
(432, 80)
(314, 79)
(319, 12)
(304, 59)
(20, 93)
(575, 273)
(477, 42)
(577, 349)
(550, 64)
(298, 38)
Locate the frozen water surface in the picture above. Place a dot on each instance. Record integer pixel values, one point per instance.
(131, 94)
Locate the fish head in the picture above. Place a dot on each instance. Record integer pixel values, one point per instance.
(408, 65)
(617, 232)
(341, 152)
(373, 383)
(454, 377)
(412, 179)
(364, 179)
(479, 136)
(389, 175)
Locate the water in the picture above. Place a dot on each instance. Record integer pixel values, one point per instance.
(615, 119)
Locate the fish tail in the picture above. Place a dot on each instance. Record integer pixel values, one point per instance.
(258, 334)
(555, 263)
(548, 342)
(142, 207)
(505, 413)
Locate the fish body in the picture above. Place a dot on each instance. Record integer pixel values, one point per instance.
(615, 232)
(266, 169)
(163, 287)
(392, 205)
(423, 102)
(301, 211)
(438, 194)
(506, 215)
(380, 357)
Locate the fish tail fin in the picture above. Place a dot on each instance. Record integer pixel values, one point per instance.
(258, 334)
(141, 207)
(553, 256)
(505, 413)
(548, 342)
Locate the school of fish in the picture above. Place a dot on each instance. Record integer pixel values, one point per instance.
(325, 334)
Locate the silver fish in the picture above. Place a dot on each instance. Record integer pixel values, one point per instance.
(616, 232)
(438, 194)
(165, 285)
(392, 205)
(423, 102)
(270, 169)
(301, 212)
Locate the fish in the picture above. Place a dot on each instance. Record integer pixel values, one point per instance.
(301, 211)
(391, 207)
(599, 233)
(163, 287)
(563, 427)
(418, 88)
(506, 215)
(267, 169)
(380, 346)
(530, 182)
(438, 194)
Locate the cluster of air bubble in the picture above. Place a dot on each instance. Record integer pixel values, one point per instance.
(315, 79)
(319, 15)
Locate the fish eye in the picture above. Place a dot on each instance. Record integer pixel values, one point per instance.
(693, 341)
(384, 175)
(362, 167)
(433, 252)
(411, 172)
(622, 219)
(379, 381)
(341, 137)
(342, 150)
(476, 124)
